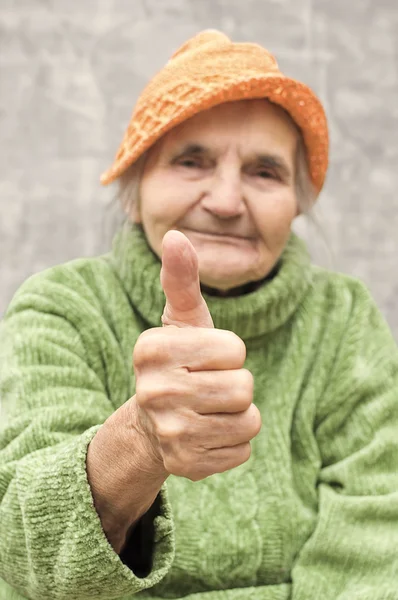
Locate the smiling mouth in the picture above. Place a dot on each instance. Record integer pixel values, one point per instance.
(226, 236)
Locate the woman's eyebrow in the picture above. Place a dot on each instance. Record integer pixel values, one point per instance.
(191, 148)
(269, 161)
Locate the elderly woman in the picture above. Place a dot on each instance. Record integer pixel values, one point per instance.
(202, 413)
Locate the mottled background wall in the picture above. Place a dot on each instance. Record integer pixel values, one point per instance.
(69, 75)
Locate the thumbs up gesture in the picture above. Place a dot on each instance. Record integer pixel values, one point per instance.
(193, 395)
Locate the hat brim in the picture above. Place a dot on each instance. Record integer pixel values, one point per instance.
(293, 96)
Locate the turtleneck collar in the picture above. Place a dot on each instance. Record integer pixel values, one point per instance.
(250, 315)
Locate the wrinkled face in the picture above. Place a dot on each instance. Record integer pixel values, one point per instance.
(224, 178)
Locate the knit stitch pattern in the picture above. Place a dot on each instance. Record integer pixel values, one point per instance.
(312, 515)
(209, 70)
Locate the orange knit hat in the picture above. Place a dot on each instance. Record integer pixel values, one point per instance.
(206, 71)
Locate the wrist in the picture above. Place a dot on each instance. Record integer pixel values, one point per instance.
(124, 472)
(133, 425)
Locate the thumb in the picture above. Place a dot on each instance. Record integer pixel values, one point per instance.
(179, 277)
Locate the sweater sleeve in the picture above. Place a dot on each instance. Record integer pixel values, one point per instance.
(353, 552)
(55, 394)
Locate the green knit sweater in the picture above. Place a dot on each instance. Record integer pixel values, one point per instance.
(313, 515)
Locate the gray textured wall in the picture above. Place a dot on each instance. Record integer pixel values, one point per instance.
(70, 73)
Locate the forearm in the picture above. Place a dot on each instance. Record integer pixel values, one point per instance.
(124, 472)
(55, 395)
(47, 519)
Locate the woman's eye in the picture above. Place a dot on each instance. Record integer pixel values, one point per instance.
(265, 174)
(191, 163)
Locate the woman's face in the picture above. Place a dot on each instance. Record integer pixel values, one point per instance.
(224, 178)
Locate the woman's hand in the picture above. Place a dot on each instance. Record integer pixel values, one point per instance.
(192, 414)
(193, 396)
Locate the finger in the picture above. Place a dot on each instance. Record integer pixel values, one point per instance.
(207, 350)
(199, 466)
(202, 392)
(188, 431)
(221, 391)
(227, 430)
(229, 458)
(179, 277)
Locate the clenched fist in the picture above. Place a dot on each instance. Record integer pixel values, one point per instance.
(194, 398)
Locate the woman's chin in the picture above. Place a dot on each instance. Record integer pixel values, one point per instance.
(223, 279)
(219, 274)
(228, 268)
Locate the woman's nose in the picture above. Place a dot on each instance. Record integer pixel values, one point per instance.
(224, 196)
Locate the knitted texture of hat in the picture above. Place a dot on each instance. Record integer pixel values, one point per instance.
(209, 70)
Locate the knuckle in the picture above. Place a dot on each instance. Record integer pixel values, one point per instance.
(248, 379)
(179, 433)
(241, 388)
(245, 453)
(255, 420)
(155, 395)
(144, 392)
(145, 348)
(238, 346)
(154, 346)
(246, 386)
(160, 392)
(168, 431)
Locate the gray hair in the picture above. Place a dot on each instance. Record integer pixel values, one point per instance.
(128, 193)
